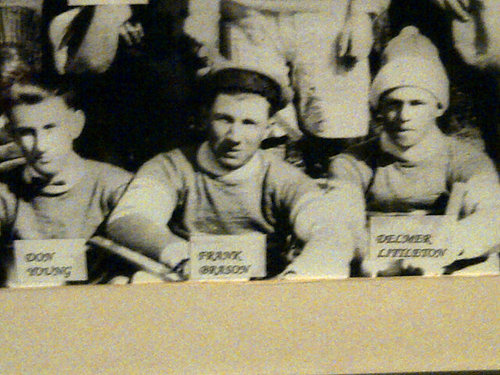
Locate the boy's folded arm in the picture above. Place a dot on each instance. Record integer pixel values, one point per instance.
(139, 233)
(140, 219)
(481, 192)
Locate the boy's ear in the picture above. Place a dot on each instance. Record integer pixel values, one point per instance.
(270, 125)
(77, 123)
(440, 110)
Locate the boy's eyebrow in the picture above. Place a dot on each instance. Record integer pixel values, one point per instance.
(389, 100)
(16, 127)
(249, 121)
(219, 115)
(21, 129)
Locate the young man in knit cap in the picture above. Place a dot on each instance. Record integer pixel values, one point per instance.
(56, 194)
(412, 166)
(227, 185)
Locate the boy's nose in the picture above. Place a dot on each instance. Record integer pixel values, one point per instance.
(41, 143)
(405, 112)
(235, 133)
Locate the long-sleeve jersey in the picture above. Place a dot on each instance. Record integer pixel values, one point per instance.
(266, 195)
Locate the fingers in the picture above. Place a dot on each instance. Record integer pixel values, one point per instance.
(138, 33)
(124, 34)
(343, 43)
(459, 9)
(142, 277)
(10, 151)
(10, 157)
(355, 40)
(11, 164)
(119, 280)
(131, 34)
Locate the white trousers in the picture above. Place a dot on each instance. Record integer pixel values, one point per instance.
(332, 101)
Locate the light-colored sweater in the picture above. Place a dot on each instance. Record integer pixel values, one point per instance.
(184, 190)
(74, 209)
(422, 178)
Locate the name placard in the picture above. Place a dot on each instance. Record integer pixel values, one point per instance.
(105, 2)
(50, 262)
(411, 241)
(227, 257)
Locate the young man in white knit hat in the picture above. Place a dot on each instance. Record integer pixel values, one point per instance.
(412, 166)
(228, 186)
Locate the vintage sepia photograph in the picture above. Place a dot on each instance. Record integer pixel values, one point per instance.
(240, 140)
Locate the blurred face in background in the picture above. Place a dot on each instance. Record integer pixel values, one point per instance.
(409, 113)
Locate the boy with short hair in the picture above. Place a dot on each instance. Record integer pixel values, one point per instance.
(227, 185)
(56, 194)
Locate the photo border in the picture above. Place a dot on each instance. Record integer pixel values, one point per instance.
(350, 326)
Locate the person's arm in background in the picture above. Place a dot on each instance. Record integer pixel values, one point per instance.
(87, 38)
(141, 217)
(356, 37)
(477, 229)
(457, 8)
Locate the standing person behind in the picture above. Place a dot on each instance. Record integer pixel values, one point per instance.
(136, 69)
(56, 194)
(320, 48)
(412, 165)
(227, 185)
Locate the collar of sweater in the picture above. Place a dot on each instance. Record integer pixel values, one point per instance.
(60, 183)
(207, 161)
(432, 144)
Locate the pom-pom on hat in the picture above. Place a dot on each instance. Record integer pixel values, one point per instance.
(228, 76)
(410, 59)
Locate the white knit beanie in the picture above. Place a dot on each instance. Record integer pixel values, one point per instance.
(410, 59)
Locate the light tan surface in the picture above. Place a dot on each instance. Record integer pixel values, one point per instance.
(347, 326)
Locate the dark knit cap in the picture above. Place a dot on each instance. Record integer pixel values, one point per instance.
(235, 79)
